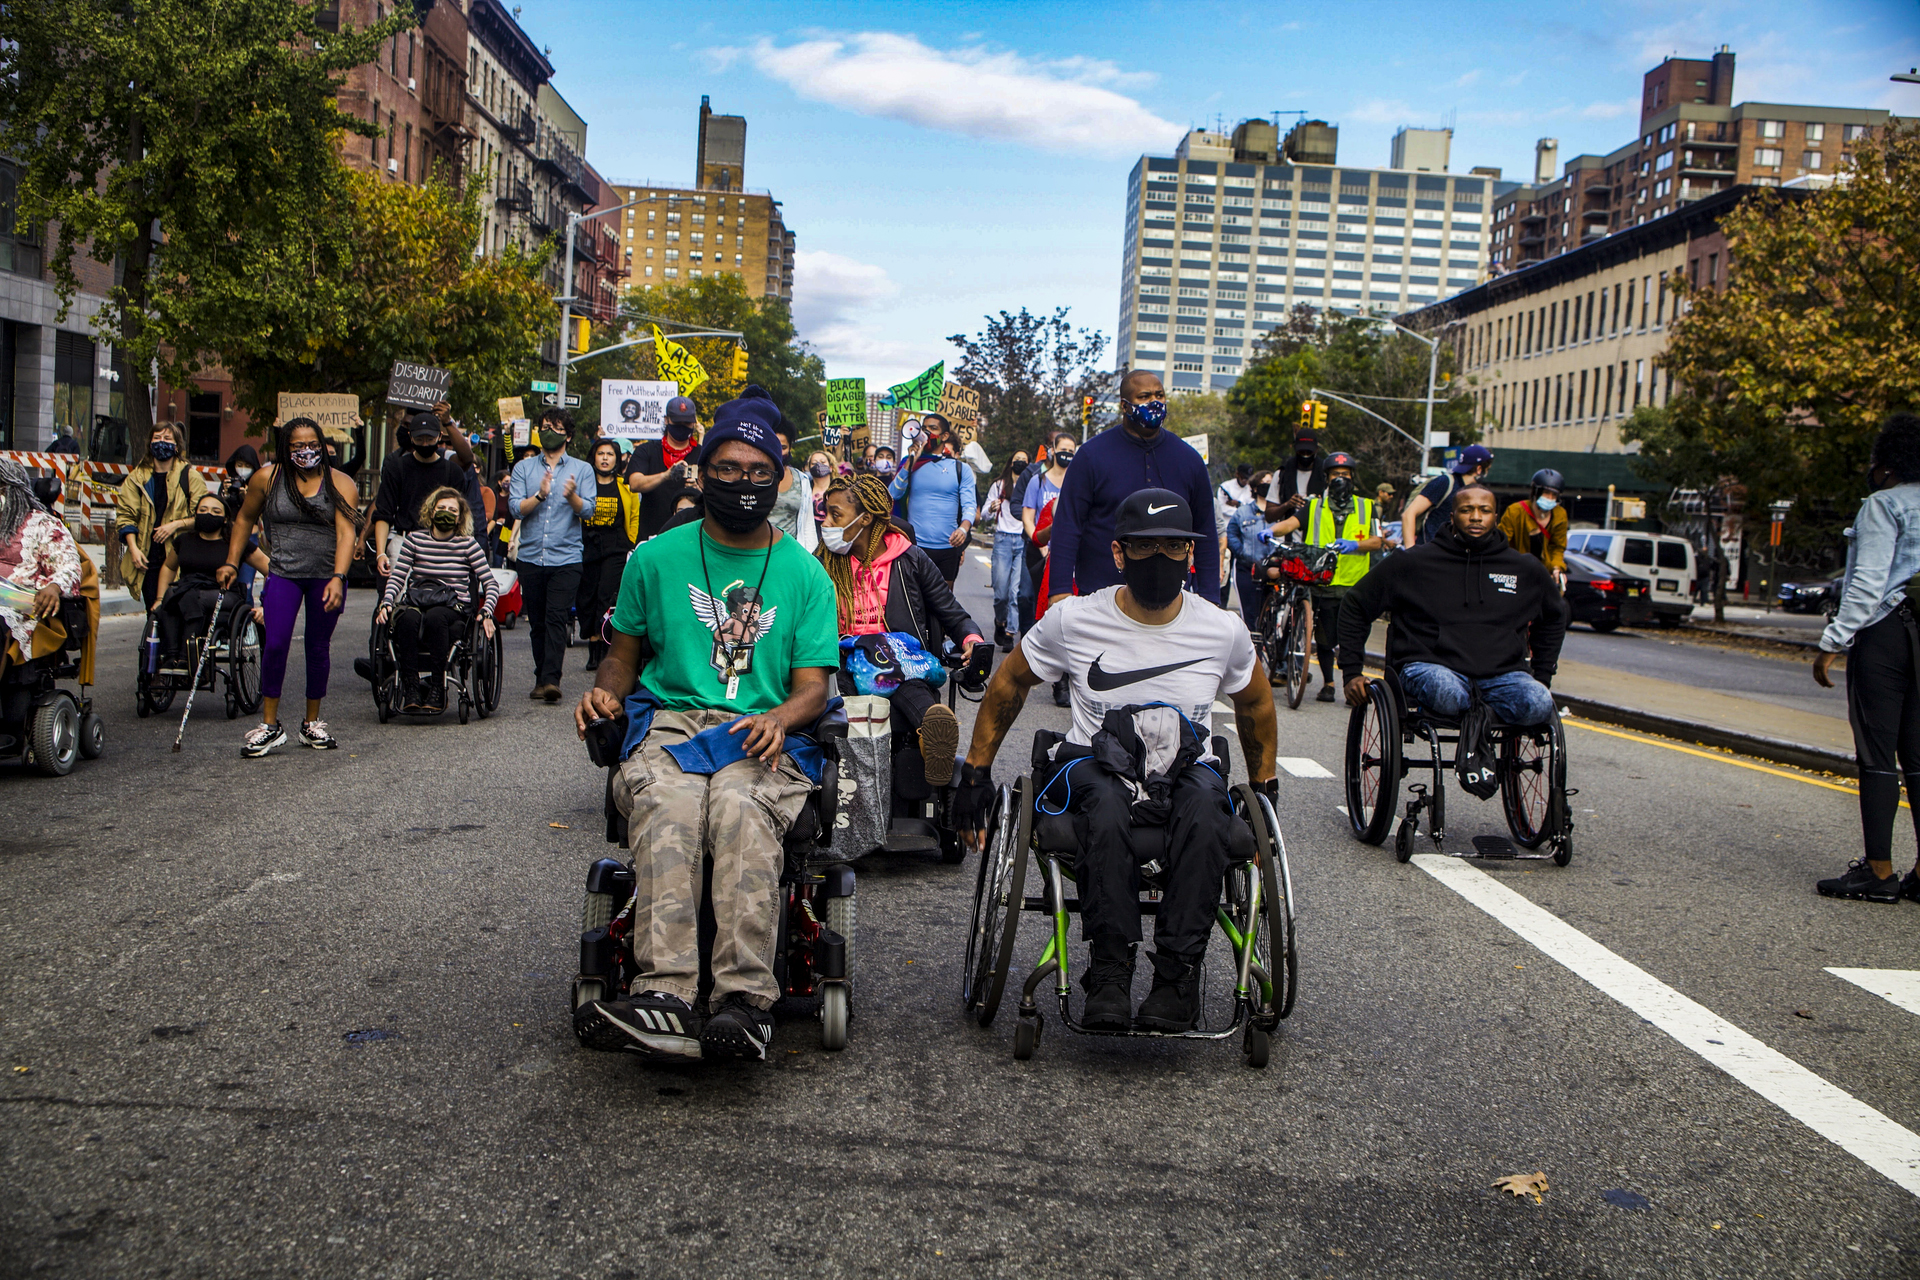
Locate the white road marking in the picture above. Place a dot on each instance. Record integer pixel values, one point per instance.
(986, 561)
(1896, 986)
(1343, 810)
(1888, 1148)
(1301, 767)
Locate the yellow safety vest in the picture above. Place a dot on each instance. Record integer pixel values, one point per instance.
(1358, 525)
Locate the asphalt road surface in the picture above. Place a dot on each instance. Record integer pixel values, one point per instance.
(1765, 675)
(306, 1016)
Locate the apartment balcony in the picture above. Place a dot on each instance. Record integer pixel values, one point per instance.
(1534, 240)
(1533, 217)
(1599, 189)
(517, 198)
(1602, 214)
(1717, 168)
(522, 130)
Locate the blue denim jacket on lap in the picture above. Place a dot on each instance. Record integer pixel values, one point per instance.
(1883, 551)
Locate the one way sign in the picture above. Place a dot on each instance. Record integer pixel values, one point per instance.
(550, 400)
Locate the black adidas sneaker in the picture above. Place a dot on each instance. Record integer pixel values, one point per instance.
(652, 1024)
(737, 1030)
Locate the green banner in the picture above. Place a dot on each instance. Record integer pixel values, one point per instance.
(921, 394)
(847, 402)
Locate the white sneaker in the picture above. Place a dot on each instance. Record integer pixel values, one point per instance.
(262, 739)
(314, 734)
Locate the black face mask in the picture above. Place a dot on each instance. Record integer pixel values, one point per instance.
(552, 440)
(1340, 491)
(680, 431)
(739, 506)
(427, 452)
(1476, 545)
(1155, 581)
(208, 521)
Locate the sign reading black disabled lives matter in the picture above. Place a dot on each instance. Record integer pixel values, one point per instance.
(417, 386)
(847, 402)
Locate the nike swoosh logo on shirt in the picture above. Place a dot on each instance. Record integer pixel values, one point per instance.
(1154, 511)
(1101, 681)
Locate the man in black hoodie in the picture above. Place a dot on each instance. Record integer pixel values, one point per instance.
(1469, 612)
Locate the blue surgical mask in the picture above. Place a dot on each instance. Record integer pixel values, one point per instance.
(1546, 502)
(1151, 414)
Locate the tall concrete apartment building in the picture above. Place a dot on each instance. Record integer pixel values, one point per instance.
(717, 226)
(1231, 231)
(1693, 142)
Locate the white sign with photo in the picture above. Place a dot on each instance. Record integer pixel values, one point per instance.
(635, 410)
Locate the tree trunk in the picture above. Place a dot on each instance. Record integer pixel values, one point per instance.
(136, 261)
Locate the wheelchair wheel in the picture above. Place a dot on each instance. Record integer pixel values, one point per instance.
(54, 733)
(1297, 650)
(1373, 764)
(93, 735)
(488, 673)
(1274, 950)
(1533, 784)
(842, 916)
(383, 691)
(833, 1016)
(243, 666)
(998, 896)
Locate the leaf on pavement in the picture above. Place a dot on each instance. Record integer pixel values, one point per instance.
(1803, 1013)
(1523, 1184)
(560, 826)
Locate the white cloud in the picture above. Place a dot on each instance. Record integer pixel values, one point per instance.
(1380, 111)
(837, 307)
(1610, 110)
(1068, 104)
(1470, 77)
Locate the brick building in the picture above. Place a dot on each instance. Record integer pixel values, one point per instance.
(1693, 142)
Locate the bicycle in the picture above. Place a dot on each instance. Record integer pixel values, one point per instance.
(1284, 634)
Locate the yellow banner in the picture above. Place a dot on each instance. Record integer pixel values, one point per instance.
(676, 363)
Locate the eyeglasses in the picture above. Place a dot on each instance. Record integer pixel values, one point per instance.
(760, 473)
(1141, 548)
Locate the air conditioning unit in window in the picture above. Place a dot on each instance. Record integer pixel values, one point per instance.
(393, 165)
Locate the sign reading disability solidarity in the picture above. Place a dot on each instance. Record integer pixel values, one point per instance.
(416, 385)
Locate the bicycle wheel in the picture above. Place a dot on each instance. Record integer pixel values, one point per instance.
(1299, 650)
(1373, 764)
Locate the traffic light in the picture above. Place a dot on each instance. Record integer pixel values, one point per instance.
(740, 363)
(577, 339)
(1319, 416)
(1086, 412)
(1306, 415)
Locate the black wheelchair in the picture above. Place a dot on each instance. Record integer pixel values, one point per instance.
(1532, 768)
(1256, 915)
(475, 666)
(814, 952)
(42, 724)
(233, 663)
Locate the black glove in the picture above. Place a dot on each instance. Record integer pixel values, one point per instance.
(972, 798)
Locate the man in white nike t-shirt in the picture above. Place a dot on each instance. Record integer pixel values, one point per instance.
(1147, 661)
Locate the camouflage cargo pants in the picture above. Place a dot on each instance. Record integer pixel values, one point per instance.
(738, 818)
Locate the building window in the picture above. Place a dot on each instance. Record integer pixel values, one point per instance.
(1809, 159)
(1853, 132)
(1713, 269)
(203, 426)
(1816, 132)
(1772, 130)
(72, 383)
(1766, 157)
(1664, 162)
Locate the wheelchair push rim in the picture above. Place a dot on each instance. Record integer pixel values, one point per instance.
(1373, 764)
(243, 665)
(1274, 952)
(1533, 785)
(999, 896)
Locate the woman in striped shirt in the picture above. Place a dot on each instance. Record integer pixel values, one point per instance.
(428, 595)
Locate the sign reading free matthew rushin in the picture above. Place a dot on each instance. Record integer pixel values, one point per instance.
(417, 386)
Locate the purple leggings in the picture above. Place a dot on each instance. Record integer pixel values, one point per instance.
(281, 600)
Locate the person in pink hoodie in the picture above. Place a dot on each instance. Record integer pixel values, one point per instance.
(887, 584)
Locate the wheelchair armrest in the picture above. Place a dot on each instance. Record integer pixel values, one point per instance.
(604, 740)
(1044, 741)
(831, 724)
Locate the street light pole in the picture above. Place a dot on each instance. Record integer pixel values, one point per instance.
(566, 299)
(1433, 371)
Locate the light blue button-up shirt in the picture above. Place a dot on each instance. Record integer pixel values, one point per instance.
(1883, 551)
(550, 534)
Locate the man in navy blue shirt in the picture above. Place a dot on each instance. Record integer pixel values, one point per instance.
(1138, 454)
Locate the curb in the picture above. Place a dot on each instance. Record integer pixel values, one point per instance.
(1733, 633)
(1780, 751)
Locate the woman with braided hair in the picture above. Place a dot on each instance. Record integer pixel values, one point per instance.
(885, 583)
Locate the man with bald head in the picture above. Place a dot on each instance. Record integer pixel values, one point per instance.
(1138, 454)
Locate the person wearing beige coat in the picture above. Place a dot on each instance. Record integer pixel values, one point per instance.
(144, 526)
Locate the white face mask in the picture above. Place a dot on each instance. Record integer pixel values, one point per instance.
(835, 539)
(243, 473)
(1546, 502)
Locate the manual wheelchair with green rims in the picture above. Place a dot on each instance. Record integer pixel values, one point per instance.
(1532, 768)
(1256, 915)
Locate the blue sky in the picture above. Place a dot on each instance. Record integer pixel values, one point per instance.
(942, 162)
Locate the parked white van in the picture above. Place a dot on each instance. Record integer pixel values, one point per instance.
(1666, 561)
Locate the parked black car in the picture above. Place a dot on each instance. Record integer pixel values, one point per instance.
(1811, 594)
(1603, 597)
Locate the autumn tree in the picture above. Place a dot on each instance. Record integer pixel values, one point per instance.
(1033, 373)
(1788, 371)
(411, 288)
(211, 124)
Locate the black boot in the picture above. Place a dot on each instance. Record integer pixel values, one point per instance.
(596, 650)
(1174, 1002)
(433, 692)
(1108, 983)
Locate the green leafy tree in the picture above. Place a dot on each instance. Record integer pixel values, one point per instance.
(210, 122)
(1214, 417)
(1033, 373)
(1813, 340)
(411, 289)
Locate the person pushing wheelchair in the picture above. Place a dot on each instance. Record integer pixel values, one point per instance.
(1147, 662)
(1470, 615)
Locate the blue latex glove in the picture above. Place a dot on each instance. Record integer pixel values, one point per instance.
(1345, 546)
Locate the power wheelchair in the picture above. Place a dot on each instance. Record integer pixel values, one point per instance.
(233, 664)
(475, 667)
(1256, 915)
(1532, 768)
(41, 723)
(814, 952)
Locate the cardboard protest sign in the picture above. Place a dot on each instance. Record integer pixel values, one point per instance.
(676, 362)
(416, 385)
(512, 407)
(960, 405)
(337, 414)
(857, 441)
(847, 401)
(635, 410)
(1199, 444)
(522, 432)
(921, 394)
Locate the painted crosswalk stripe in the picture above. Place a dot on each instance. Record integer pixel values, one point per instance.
(1301, 767)
(1890, 1149)
(1896, 986)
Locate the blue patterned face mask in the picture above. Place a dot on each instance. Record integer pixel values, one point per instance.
(1150, 415)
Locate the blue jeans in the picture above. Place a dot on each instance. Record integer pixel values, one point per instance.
(1009, 578)
(1516, 697)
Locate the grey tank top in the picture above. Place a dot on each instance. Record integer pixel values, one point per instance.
(298, 546)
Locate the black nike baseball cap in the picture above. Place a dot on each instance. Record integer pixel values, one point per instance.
(1154, 513)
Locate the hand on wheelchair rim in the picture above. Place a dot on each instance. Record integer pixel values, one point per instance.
(1357, 692)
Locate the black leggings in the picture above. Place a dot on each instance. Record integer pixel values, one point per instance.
(599, 592)
(190, 606)
(438, 625)
(1326, 625)
(1883, 704)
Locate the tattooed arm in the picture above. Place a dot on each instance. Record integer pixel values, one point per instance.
(1001, 706)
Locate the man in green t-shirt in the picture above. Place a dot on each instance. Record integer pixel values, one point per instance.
(737, 625)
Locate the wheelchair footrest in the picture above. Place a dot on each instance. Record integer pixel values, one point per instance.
(1494, 847)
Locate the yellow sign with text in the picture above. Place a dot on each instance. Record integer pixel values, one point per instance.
(677, 363)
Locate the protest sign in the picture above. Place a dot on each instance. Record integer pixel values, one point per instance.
(635, 410)
(1199, 444)
(337, 414)
(512, 407)
(416, 385)
(857, 441)
(847, 401)
(921, 394)
(522, 431)
(676, 362)
(960, 405)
